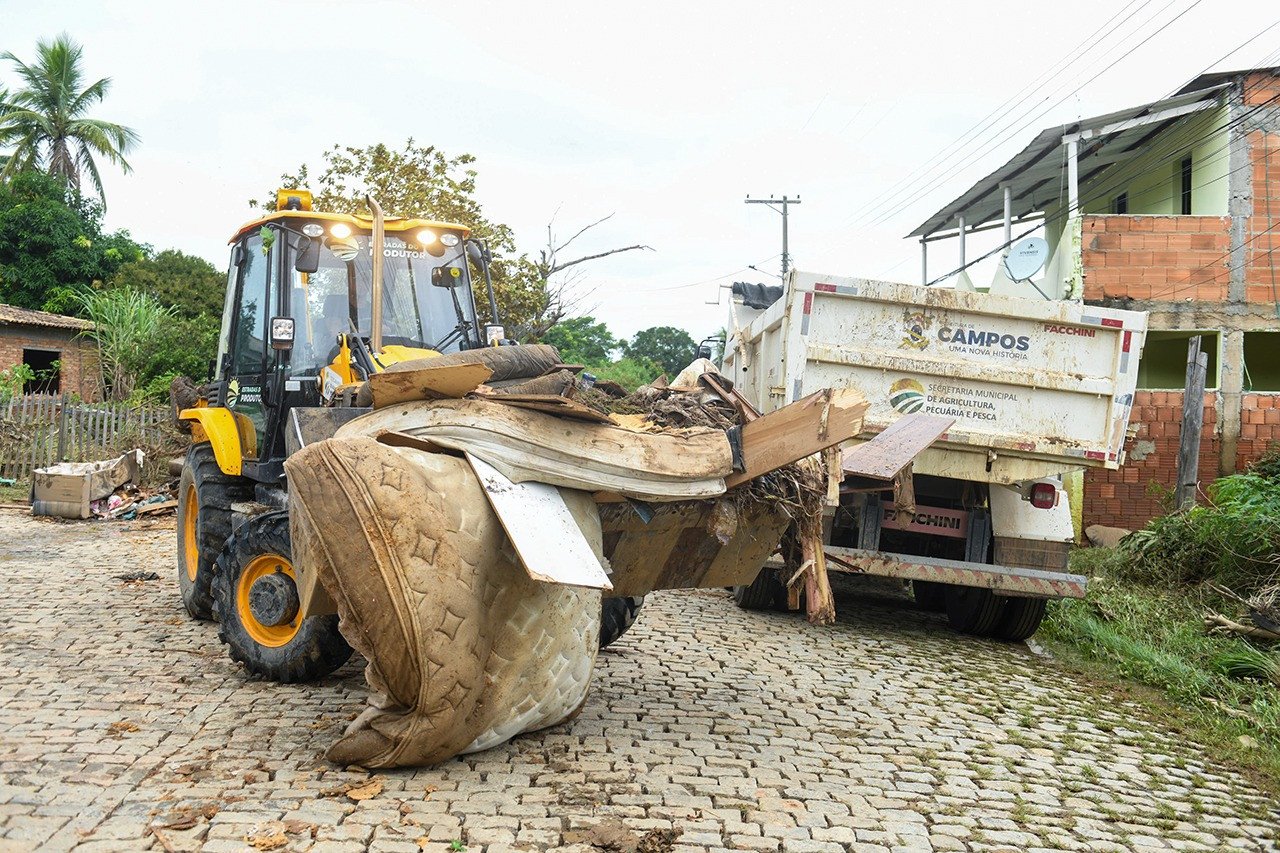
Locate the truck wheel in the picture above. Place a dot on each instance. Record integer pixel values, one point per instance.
(930, 596)
(256, 605)
(1020, 619)
(762, 593)
(616, 616)
(205, 496)
(974, 610)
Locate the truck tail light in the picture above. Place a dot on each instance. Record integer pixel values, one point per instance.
(1044, 495)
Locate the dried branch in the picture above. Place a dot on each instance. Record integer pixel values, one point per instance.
(1234, 712)
(555, 268)
(1215, 622)
(581, 231)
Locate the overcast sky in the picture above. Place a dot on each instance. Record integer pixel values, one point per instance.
(664, 114)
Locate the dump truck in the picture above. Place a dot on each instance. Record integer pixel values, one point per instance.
(1001, 395)
(373, 468)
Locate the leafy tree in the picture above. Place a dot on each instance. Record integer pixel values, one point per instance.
(630, 373)
(45, 121)
(423, 182)
(582, 340)
(666, 346)
(126, 324)
(52, 244)
(182, 347)
(420, 182)
(190, 285)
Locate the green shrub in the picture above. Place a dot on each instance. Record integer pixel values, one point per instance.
(1234, 539)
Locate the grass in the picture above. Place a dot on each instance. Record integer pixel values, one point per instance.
(1154, 636)
(18, 492)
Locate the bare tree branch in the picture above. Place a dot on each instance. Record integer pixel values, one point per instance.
(558, 267)
(581, 231)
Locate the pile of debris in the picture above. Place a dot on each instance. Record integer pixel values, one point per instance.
(130, 501)
(490, 498)
(109, 488)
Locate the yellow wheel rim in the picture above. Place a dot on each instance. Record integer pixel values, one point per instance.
(264, 635)
(191, 550)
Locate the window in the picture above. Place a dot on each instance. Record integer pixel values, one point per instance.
(1186, 187)
(44, 363)
(1262, 361)
(1164, 359)
(1120, 204)
(250, 350)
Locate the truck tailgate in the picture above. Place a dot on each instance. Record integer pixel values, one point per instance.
(1036, 387)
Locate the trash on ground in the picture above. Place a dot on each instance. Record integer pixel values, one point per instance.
(68, 488)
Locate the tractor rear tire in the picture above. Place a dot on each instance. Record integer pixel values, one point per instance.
(255, 569)
(616, 616)
(1020, 619)
(205, 495)
(763, 593)
(974, 610)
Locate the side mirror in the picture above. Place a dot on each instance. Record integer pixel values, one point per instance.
(282, 333)
(446, 277)
(237, 255)
(704, 351)
(308, 260)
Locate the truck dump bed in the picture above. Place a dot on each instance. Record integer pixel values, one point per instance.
(1036, 387)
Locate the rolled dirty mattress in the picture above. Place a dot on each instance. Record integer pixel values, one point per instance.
(539, 447)
(465, 650)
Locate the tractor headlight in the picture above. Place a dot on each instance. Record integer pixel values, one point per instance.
(426, 237)
(313, 229)
(340, 230)
(449, 240)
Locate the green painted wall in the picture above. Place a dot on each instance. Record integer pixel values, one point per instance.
(1153, 179)
(1164, 359)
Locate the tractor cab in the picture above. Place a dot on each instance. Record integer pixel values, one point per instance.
(317, 302)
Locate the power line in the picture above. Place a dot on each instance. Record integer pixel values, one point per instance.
(1038, 115)
(980, 126)
(1120, 178)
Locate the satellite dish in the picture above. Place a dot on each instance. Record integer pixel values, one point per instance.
(1026, 258)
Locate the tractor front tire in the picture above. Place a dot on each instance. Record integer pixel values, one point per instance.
(205, 495)
(256, 605)
(617, 615)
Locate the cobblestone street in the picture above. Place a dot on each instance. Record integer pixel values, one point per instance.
(124, 726)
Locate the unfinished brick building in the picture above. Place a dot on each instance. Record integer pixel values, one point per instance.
(48, 344)
(1172, 208)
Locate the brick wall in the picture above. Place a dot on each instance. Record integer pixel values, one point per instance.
(1126, 498)
(1263, 281)
(1156, 257)
(79, 373)
(1259, 427)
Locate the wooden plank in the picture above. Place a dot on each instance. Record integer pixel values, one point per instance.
(733, 396)
(542, 529)
(892, 450)
(1192, 424)
(427, 383)
(801, 429)
(149, 509)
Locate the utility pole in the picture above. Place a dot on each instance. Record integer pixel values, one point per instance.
(771, 201)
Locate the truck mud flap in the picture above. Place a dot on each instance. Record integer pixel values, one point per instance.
(1006, 580)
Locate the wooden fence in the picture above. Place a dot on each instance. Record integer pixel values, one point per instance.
(40, 429)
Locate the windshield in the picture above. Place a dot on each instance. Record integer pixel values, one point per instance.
(338, 298)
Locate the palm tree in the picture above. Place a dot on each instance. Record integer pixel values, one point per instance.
(45, 123)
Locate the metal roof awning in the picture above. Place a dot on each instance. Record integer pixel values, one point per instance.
(1034, 176)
